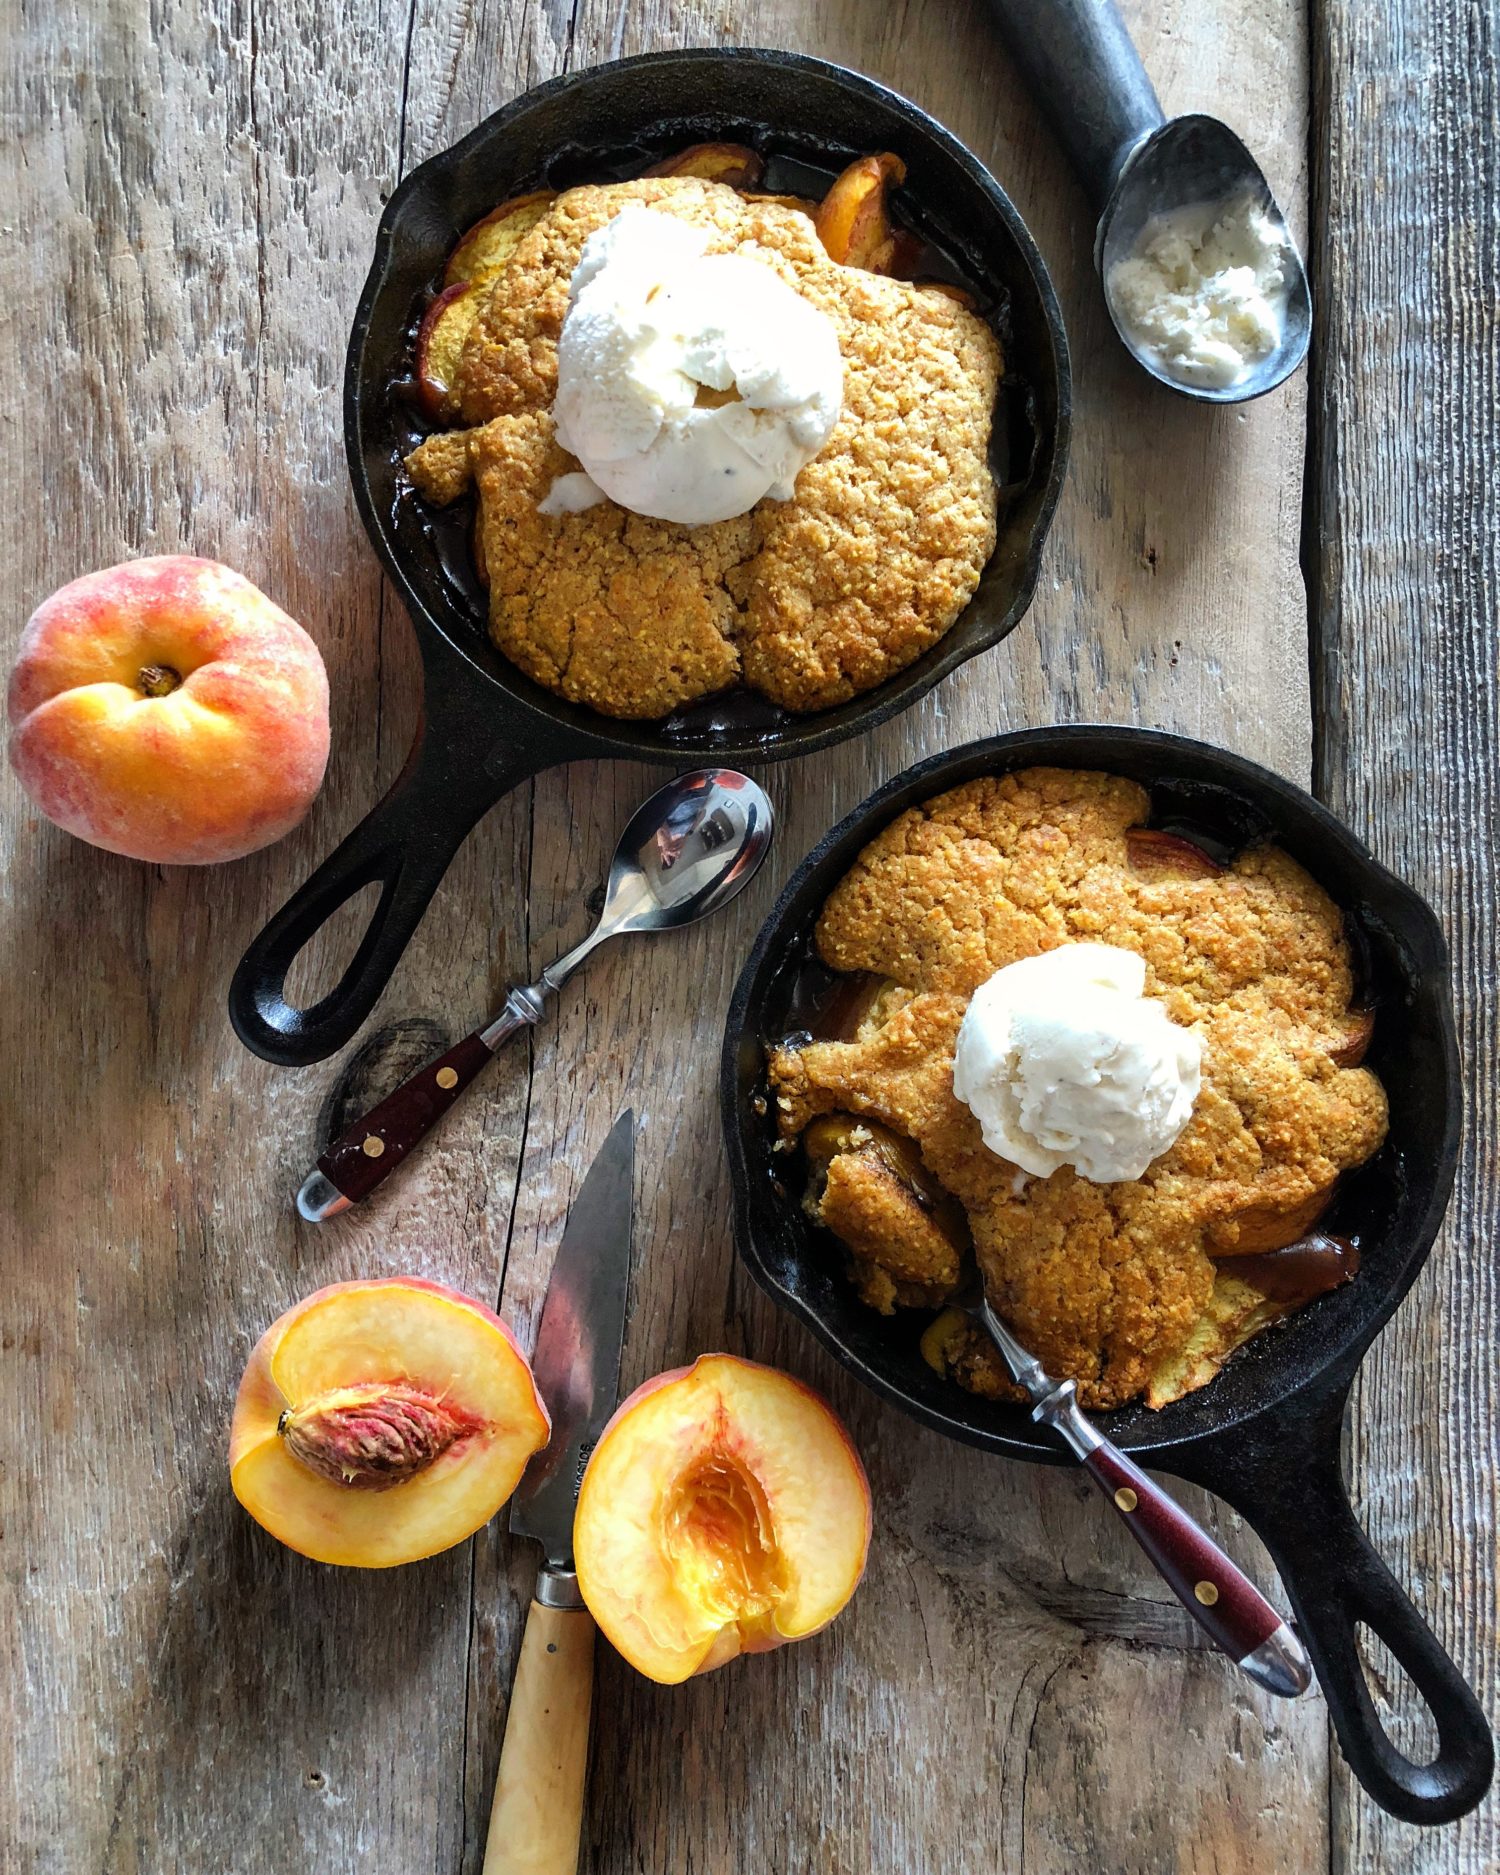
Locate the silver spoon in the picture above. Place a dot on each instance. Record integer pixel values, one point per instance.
(687, 850)
(1136, 164)
(1224, 1602)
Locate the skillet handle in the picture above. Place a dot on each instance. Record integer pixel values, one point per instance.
(405, 844)
(1288, 1482)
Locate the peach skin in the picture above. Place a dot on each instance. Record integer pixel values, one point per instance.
(724, 1511)
(167, 710)
(379, 1422)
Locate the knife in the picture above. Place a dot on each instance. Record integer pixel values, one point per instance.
(537, 1816)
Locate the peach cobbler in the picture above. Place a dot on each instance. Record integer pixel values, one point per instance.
(1123, 1077)
(714, 440)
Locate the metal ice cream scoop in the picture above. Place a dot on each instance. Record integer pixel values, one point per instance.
(1222, 1599)
(686, 851)
(1137, 165)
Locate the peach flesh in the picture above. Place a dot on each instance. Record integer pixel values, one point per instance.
(167, 710)
(724, 1511)
(383, 1421)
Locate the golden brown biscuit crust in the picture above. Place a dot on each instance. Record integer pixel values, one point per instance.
(809, 601)
(1106, 1283)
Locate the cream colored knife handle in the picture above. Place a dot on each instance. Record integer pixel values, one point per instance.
(537, 1816)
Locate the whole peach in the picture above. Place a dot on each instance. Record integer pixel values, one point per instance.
(168, 710)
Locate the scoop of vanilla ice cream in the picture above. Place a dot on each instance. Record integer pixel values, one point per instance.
(1063, 1061)
(689, 385)
(1204, 290)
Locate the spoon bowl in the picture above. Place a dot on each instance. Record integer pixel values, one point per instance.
(686, 851)
(1188, 161)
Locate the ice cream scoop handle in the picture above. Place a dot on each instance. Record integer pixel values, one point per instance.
(1224, 1602)
(1081, 65)
(537, 1816)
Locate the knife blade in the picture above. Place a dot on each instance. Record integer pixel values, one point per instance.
(576, 1361)
(536, 1818)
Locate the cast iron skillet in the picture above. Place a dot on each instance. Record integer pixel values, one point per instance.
(485, 727)
(1265, 1433)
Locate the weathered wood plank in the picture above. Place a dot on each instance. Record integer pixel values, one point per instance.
(189, 204)
(1408, 694)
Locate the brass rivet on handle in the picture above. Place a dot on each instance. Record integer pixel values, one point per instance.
(1207, 1593)
(1125, 1498)
(373, 1147)
(446, 1077)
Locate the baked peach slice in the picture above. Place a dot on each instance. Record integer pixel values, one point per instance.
(1352, 1050)
(1154, 851)
(724, 1511)
(487, 247)
(804, 204)
(734, 164)
(440, 344)
(483, 251)
(853, 220)
(379, 1422)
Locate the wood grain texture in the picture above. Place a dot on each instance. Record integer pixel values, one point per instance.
(1407, 448)
(190, 194)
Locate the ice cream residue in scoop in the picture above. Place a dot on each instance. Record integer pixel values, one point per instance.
(1064, 1061)
(1203, 292)
(689, 385)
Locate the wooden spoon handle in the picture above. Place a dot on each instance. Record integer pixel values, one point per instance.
(371, 1149)
(367, 1152)
(537, 1816)
(1221, 1598)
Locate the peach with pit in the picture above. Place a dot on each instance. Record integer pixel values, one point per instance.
(379, 1422)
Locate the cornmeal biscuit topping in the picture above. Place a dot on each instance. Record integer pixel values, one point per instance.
(808, 601)
(1131, 1287)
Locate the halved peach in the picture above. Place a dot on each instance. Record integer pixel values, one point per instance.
(734, 164)
(378, 1422)
(487, 247)
(853, 221)
(440, 343)
(724, 1511)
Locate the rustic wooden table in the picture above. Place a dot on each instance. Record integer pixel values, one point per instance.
(190, 194)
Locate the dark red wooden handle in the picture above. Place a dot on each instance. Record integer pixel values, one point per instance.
(374, 1146)
(1224, 1602)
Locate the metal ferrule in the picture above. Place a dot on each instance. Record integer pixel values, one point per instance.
(523, 1010)
(558, 1588)
(1280, 1664)
(1059, 1409)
